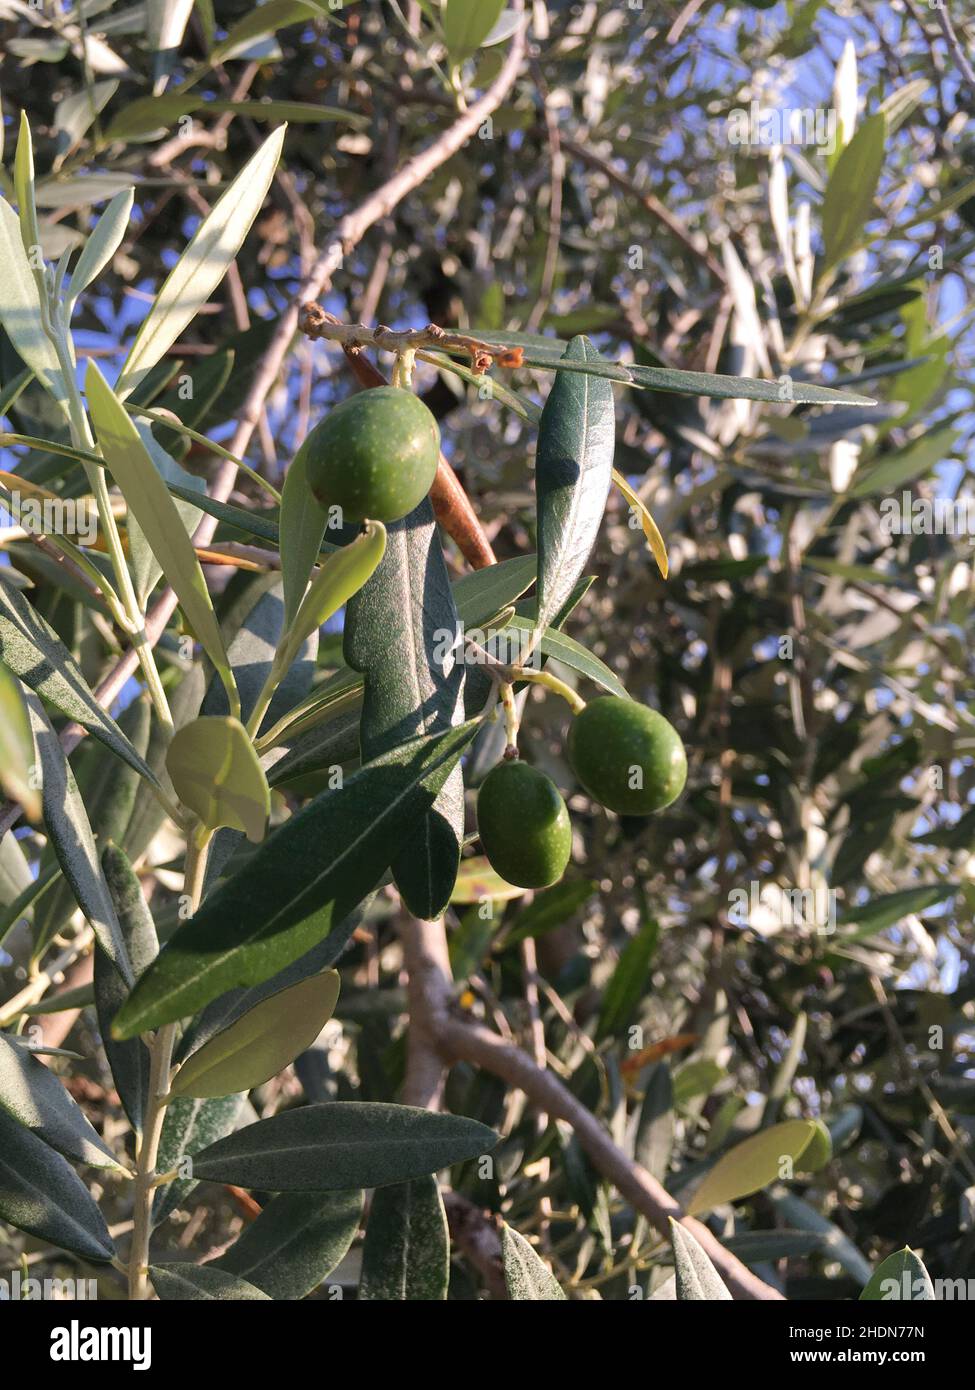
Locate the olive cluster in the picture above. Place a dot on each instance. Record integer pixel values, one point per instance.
(626, 756)
(375, 456)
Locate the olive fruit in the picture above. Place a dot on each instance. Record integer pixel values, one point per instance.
(524, 825)
(627, 756)
(374, 456)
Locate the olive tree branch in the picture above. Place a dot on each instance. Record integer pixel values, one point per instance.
(455, 1040)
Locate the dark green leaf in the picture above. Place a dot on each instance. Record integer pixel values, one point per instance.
(628, 983)
(526, 1277)
(187, 1282)
(32, 1094)
(42, 1194)
(321, 1148)
(295, 1243)
(406, 1254)
(573, 471)
(399, 633)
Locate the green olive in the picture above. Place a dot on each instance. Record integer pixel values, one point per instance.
(627, 756)
(524, 825)
(373, 456)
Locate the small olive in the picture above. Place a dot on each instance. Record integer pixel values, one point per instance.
(524, 825)
(627, 756)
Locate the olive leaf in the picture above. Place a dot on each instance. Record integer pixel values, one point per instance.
(527, 1278)
(42, 1194)
(262, 1042)
(129, 1060)
(752, 1164)
(202, 265)
(319, 1148)
(406, 1253)
(190, 1283)
(655, 540)
(306, 877)
(131, 464)
(296, 1241)
(16, 747)
(189, 1124)
(32, 650)
(20, 308)
(697, 1279)
(74, 844)
(901, 1276)
(400, 632)
(32, 1094)
(573, 471)
(302, 522)
(105, 239)
(218, 775)
(852, 188)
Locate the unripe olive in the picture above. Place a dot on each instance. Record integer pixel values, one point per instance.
(524, 825)
(627, 756)
(374, 456)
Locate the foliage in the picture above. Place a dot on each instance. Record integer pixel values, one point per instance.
(243, 735)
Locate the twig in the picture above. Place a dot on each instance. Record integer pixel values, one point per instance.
(955, 45)
(314, 322)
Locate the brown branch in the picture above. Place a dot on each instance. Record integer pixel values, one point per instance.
(425, 954)
(315, 323)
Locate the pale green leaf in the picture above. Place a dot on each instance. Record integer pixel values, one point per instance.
(203, 264)
(763, 1158)
(261, 1043)
(526, 1276)
(218, 775)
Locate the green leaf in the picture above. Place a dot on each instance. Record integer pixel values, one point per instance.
(628, 983)
(189, 1125)
(202, 265)
(266, 19)
(526, 1277)
(319, 1148)
(753, 1164)
(901, 1276)
(467, 23)
(149, 114)
(32, 1094)
(31, 648)
(573, 471)
(129, 1061)
(263, 1042)
(569, 652)
(296, 1242)
(406, 1253)
(339, 578)
(302, 524)
(697, 1078)
(74, 844)
(655, 540)
(104, 241)
(42, 1194)
(485, 593)
(399, 632)
(24, 188)
(218, 775)
(852, 187)
(190, 1283)
(20, 308)
(655, 1127)
(307, 877)
(696, 1277)
(19, 907)
(898, 469)
(147, 496)
(877, 914)
(16, 747)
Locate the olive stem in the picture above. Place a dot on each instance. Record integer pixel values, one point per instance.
(571, 697)
(506, 691)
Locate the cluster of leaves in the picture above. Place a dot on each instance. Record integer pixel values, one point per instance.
(818, 665)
